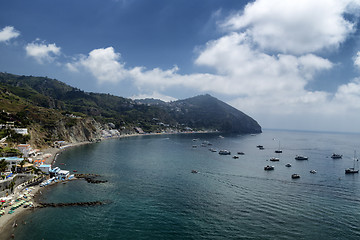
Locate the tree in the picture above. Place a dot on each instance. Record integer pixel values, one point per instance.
(3, 165)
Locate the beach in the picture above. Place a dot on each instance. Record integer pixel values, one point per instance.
(9, 221)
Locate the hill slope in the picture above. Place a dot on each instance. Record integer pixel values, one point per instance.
(48, 103)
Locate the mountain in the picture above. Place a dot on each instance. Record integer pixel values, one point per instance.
(208, 112)
(53, 109)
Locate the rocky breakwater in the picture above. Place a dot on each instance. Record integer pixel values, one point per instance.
(94, 203)
(90, 178)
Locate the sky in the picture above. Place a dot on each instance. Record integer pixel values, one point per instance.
(288, 64)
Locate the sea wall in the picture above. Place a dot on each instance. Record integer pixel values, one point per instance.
(7, 186)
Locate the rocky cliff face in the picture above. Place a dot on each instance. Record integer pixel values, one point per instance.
(79, 131)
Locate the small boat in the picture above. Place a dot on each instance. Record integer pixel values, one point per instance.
(288, 165)
(194, 146)
(278, 150)
(336, 156)
(268, 167)
(212, 150)
(74, 170)
(300, 157)
(352, 169)
(274, 159)
(224, 152)
(235, 156)
(194, 171)
(313, 171)
(260, 146)
(294, 176)
(241, 153)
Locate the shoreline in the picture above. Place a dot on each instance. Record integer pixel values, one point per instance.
(7, 221)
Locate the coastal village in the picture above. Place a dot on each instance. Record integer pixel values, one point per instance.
(25, 169)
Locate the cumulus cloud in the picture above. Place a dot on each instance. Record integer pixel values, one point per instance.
(264, 61)
(154, 95)
(103, 64)
(42, 52)
(295, 27)
(8, 33)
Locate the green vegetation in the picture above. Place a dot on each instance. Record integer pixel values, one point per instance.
(44, 105)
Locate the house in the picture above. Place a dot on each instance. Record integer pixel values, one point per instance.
(24, 149)
(45, 168)
(12, 161)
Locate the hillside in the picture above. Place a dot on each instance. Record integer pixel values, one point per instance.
(51, 109)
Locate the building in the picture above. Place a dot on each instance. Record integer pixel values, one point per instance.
(12, 161)
(45, 168)
(24, 149)
(22, 131)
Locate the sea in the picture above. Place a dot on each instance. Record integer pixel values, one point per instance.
(152, 191)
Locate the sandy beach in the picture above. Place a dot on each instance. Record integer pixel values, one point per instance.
(8, 221)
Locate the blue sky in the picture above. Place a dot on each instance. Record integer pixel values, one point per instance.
(289, 64)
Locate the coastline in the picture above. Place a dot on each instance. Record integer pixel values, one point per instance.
(7, 221)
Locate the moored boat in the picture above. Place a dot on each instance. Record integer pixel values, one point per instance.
(336, 156)
(313, 171)
(274, 159)
(288, 165)
(224, 152)
(352, 169)
(268, 167)
(300, 157)
(295, 175)
(235, 156)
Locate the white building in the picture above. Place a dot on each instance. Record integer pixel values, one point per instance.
(45, 168)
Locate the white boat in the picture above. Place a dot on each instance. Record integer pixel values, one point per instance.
(300, 157)
(295, 175)
(268, 167)
(274, 159)
(352, 169)
(278, 150)
(224, 152)
(313, 171)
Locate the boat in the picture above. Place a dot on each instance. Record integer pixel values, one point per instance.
(295, 175)
(268, 167)
(241, 153)
(224, 152)
(194, 146)
(212, 150)
(313, 171)
(194, 171)
(300, 157)
(74, 170)
(352, 169)
(336, 156)
(274, 159)
(235, 156)
(260, 146)
(278, 150)
(288, 165)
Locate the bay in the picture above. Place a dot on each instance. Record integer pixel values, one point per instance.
(154, 195)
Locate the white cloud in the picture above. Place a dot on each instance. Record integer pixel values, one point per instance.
(8, 33)
(103, 64)
(296, 27)
(265, 63)
(42, 52)
(154, 95)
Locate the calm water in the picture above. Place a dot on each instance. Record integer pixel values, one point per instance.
(155, 196)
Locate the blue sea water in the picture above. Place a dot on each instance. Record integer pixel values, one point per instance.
(154, 195)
